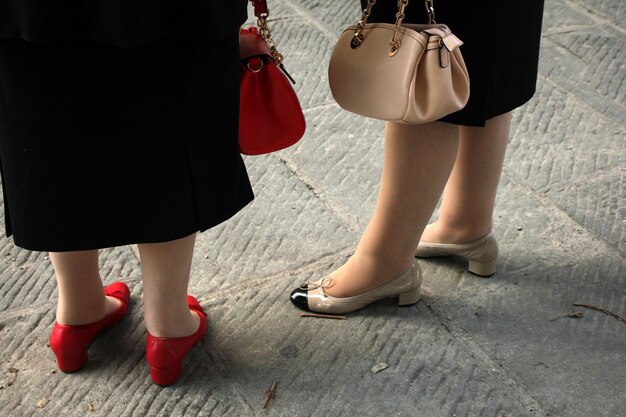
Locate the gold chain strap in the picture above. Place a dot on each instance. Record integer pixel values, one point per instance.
(358, 35)
(396, 41)
(266, 34)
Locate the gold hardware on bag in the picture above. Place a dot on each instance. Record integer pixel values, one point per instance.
(255, 70)
(265, 33)
(396, 41)
(358, 34)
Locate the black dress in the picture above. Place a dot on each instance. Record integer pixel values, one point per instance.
(119, 120)
(501, 49)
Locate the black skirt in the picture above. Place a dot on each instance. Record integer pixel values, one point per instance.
(103, 146)
(501, 49)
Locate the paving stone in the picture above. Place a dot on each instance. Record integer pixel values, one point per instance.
(307, 53)
(565, 150)
(330, 16)
(557, 140)
(603, 57)
(598, 205)
(341, 157)
(576, 62)
(28, 277)
(519, 321)
(287, 226)
(613, 11)
(323, 366)
(560, 17)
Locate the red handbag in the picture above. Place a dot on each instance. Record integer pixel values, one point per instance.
(270, 117)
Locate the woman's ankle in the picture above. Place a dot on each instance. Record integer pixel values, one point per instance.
(440, 233)
(87, 314)
(181, 325)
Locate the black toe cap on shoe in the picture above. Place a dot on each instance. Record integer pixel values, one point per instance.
(299, 298)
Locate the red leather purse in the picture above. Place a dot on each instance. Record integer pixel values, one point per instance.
(270, 117)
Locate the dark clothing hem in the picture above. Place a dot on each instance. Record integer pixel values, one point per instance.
(124, 241)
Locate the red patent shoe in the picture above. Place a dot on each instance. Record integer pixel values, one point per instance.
(165, 354)
(70, 343)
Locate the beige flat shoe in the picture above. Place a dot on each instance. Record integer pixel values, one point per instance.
(481, 253)
(311, 296)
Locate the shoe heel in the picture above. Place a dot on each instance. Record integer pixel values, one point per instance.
(165, 376)
(70, 364)
(482, 269)
(409, 298)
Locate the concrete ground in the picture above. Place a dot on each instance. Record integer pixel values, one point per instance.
(498, 347)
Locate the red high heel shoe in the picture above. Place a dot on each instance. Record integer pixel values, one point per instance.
(70, 343)
(165, 354)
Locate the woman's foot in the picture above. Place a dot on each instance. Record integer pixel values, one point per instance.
(165, 355)
(481, 252)
(318, 296)
(70, 342)
(362, 273)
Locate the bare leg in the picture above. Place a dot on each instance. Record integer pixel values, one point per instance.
(417, 163)
(469, 197)
(81, 295)
(166, 268)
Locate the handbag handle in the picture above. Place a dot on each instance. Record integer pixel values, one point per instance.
(396, 41)
(260, 8)
(261, 11)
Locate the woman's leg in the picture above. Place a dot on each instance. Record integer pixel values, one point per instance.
(468, 201)
(417, 162)
(166, 268)
(81, 295)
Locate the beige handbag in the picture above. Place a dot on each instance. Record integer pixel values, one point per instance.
(399, 72)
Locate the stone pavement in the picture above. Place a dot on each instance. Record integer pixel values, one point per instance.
(473, 347)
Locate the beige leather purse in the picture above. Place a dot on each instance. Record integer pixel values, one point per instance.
(399, 72)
